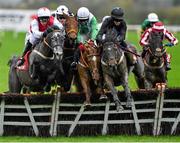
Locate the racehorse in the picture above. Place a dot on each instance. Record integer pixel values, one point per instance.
(155, 71)
(41, 65)
(88, 69)
(71, 30)
(138, 67)
(115, 71)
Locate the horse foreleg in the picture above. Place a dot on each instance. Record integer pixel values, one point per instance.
(148, 84)
(86, 89)
(100, 90)
(50, 80)
(111, 87)
(127, 91)
(32, 71)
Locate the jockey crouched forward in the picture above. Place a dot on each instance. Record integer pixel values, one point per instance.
(116, 22)
(37, 29)
(165, 34)
(87, 29)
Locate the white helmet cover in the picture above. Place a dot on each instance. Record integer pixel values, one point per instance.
(44, 12)
(152, 17)
(62, 9)
(83, 13)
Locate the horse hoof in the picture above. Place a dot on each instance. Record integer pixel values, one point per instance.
(128, 104)
(119, 108)
(103, 97)
(87, 104)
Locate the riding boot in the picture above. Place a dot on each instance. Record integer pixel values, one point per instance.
(26, 49)
(75, 59)
(167, 63)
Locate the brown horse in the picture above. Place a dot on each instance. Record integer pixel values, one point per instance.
(71, 29)
(88, 69)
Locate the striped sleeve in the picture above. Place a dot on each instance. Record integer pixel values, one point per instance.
(144, 38)
(170, 37)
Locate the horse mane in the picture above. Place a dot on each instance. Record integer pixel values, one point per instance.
(111, 35)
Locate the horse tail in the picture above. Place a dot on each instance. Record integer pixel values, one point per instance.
(13, 80)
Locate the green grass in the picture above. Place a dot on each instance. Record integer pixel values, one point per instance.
(93, 139)
(13, 44)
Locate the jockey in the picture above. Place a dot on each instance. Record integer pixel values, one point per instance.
(59, 13)
(116, 22)
(87, 30)
(149, 21)
(53, 13)
(158, 27)
(37, 27)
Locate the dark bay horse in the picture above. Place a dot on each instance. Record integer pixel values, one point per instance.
(155, 71)
(138, 68)
(88, 69)
(71, 30)
(41, 65)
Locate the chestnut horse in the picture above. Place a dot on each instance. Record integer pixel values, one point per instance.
(88, 69)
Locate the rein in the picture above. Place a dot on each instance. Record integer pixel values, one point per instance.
(153, 67)
(86, 64)
(45, 42)
(44, 57)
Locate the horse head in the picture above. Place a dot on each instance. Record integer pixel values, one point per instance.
(156, 50)
(112, 54)
(91, 59)
(55, 42)
(71, 27)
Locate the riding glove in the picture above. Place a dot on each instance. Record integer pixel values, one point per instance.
(81, 46)
(169, 44)
(74, 66)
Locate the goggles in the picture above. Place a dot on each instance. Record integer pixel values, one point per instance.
(117, 20)
(83, 20)
(43, 19)
(60, 16)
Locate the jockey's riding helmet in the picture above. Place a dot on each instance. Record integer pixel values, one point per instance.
(117, 13)
(43, 12)
(158, 26)
(62, 9)
(83, 13)
(152, 17)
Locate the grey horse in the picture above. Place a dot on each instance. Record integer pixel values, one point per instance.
(44, 63)
(115, 71)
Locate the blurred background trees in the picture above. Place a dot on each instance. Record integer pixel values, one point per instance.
(135, 10)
